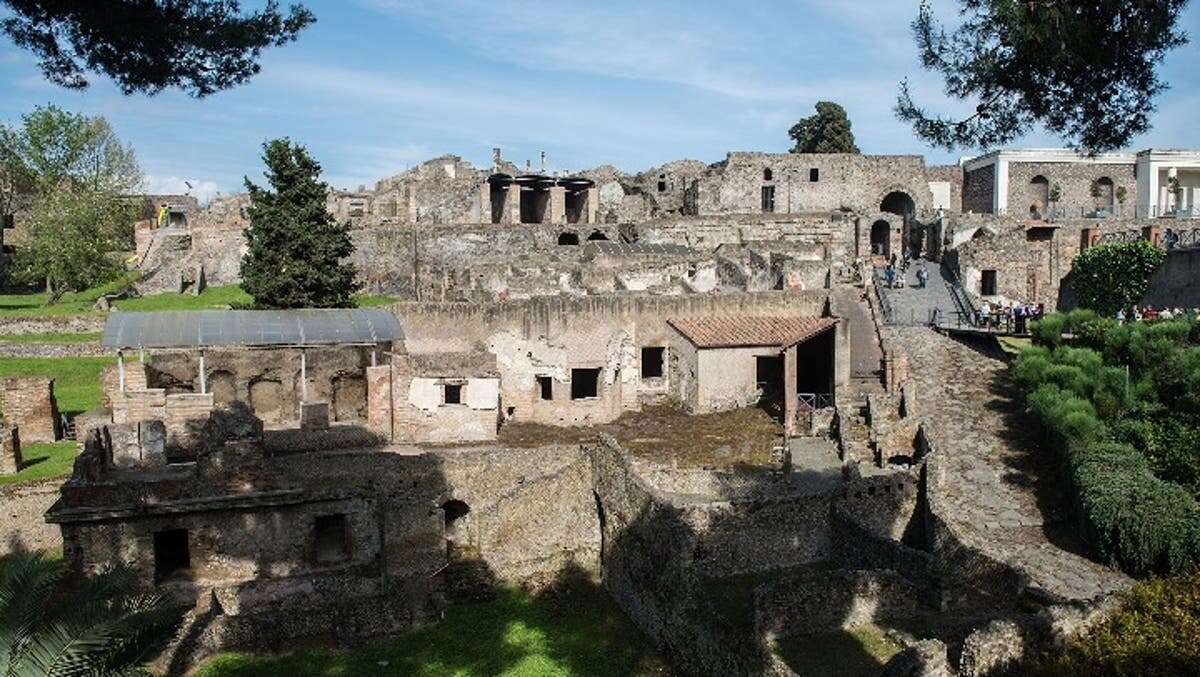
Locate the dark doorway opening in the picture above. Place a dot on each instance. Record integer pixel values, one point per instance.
(987, 283)
(172, 557)
(814, 364)
(881, 238)
(652, 361)
(585, 383)
(597, 236)
(535, 202)
(546, 387)
(899, 203)
(768, 375)
(768, 199)
(568, 238)
(331, 540)
(455, 512)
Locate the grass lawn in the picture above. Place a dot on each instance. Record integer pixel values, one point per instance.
(842, 653)
(577, 632)
(1013, 345)
(43, 461)
(52, 337)
(76, 379)
(80, 303)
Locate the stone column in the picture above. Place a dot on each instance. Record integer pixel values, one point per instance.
(558, 205)
(789, 391)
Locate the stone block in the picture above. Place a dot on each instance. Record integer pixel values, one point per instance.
(29, 404)
(126, 452)
(10, 451)
(379, 399)
(314, 415)
(152, 439)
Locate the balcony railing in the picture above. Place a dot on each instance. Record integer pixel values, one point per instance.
(806, 402)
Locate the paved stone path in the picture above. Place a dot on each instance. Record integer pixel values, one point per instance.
(1001, 492)
(914, 305)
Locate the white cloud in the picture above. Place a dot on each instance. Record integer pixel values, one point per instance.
(174, 185)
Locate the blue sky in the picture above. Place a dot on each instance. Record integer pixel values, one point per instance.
(378, 85)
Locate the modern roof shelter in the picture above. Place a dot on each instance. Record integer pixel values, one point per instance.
(250, 328)
(786, 364)
(200, 329)
(745, 332)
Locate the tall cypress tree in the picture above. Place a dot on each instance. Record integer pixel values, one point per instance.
(296, 250)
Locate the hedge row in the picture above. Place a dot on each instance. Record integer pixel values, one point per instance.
(1129, 515)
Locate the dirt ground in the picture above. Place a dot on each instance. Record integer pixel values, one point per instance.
(668, 435)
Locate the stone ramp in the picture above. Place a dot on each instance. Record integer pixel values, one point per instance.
(914, 305)
(1001, 492)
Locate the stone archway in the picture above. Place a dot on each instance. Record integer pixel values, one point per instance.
(900, 203)
(597, 236)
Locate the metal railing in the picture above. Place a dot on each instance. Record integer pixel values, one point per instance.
(813, 401)
(1116, 211)
(885, 305)
(962, 300)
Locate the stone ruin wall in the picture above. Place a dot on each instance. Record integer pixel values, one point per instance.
(979, 190)
(550, 336)
(845, 182)
(29, 404)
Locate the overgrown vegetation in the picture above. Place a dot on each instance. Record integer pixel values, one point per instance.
(571, 631)
(1155, 633)
(1111, 277)
(1121, 406)
(53, 624)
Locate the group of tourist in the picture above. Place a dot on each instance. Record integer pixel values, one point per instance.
(894, 272)
(1150, 313)
(1009, 315)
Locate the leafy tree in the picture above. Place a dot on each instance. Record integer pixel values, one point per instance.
(67, 240)
(1087, 71)
(1112, 277)
(826, 132)
(51, 624)
(199, 46)
(296, 253)
(72, 172)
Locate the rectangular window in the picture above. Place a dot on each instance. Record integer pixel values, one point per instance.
(987, 284)
(814, 175)
(171, 554)
(768, 199)
(330, 539)
(452, 393)
(546, 387)
(585, 383)
(652, 361)
(662, 186)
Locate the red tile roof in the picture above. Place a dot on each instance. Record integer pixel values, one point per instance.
(740, 330)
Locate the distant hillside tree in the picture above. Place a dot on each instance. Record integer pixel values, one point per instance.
(199, 46)
(826, 132)
(1087, 71)
(296, 249)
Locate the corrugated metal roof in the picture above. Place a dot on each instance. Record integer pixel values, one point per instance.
(609, 248)
(212, 328)
(741, 330)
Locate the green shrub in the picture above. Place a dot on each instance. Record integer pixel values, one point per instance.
(1107, 278)
(1155, 633)
(1130, 516)
(1048, 330)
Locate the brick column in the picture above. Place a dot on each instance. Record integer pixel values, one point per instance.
(558, 205)
(789, 390)
(379, 400)
(485, 202)
(593, 204)
(512, 204)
